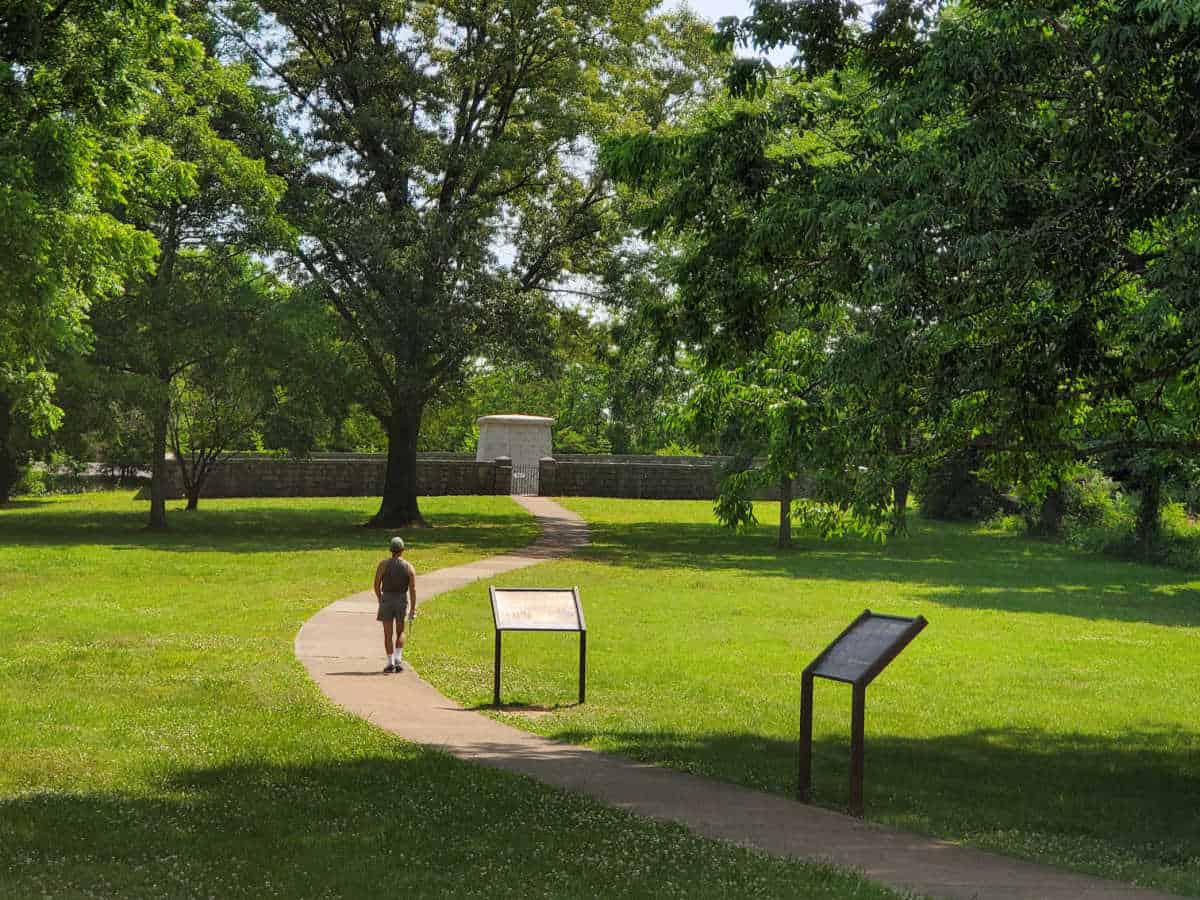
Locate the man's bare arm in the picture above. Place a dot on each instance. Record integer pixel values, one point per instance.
(378, 586)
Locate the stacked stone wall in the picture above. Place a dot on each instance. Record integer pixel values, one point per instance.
(637, 477)
(648, 459)
(345, 475)
(440, 474)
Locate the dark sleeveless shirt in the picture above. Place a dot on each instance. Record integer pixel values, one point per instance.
(395, 576)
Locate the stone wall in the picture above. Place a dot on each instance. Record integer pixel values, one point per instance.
(345, 475)
(438, 474)
(650, 459)
(646, 480)
(638, 477)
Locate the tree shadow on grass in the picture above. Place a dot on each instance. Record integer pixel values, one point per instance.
(962, 567)
(416, 824)
(1122, 805)
(24, 503)
(259, 528)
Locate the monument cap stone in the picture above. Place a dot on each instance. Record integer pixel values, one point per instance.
(524, 439)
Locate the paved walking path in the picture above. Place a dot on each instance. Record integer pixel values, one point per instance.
(341, 643)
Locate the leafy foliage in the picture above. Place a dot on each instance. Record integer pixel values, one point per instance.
(74, 80)
(446, 183)
(199, 310)
(988, 210)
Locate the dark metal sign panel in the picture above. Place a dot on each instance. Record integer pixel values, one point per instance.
(536, 609)
(863, 649)
(856, 656)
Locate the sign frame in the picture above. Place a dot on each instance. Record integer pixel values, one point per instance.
(580, 626)
(869, 671)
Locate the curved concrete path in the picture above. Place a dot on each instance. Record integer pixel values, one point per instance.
(339, 647)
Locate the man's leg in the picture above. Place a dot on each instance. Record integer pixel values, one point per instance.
(399, 654)
(387, 643)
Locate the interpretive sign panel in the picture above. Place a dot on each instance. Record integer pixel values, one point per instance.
(538, 609)
(855, 657)
(555, 609)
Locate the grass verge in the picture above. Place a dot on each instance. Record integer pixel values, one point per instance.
(159, 739)
(1048, 711)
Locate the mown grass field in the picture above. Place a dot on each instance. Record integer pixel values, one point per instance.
(159, 739)
(1048, 711)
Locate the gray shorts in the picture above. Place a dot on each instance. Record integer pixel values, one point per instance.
(392, 606)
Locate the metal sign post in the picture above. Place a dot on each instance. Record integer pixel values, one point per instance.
(537, 609)
(856, 657)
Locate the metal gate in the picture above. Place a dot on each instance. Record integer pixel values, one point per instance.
(525, 480)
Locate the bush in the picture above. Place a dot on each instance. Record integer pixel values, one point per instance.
(1099, 517)
(570, 440)
(1178, 543)
(31, 482)
(65, 474)
(1187, 491)
(952, 492)
(1096, 511)
(361, 432)
(677, 449)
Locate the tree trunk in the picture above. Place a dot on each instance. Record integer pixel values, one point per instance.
(897, 443)
(158, 465)
(8, 460)
(785, 512)
(1050, 516)
(398, 508)
(900, 489)
(1147, 529)
(192, 477)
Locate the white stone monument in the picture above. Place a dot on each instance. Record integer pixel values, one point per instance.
(524, 439)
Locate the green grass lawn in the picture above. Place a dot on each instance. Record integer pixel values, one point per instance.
(1049, 710)
(159, 739)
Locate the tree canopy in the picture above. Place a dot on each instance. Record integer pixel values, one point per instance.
(986, 210)
(446, 180)
(944, 230)
(74, 80)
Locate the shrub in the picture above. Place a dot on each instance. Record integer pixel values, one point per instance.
(1178, 543)
(1101, 527)
(677, 449)
(1099, 517)
(952, 492)
(31, 482)
(1092, 499)
(65, 474)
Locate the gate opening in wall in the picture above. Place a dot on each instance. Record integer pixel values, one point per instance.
(524, 480)
(523, 439)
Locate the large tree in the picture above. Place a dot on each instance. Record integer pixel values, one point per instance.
(202, 298)
(1000, 199)
(792, 361)
(448, 181)
(74, 81)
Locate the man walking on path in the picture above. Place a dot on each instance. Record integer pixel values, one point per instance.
(396, 590)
